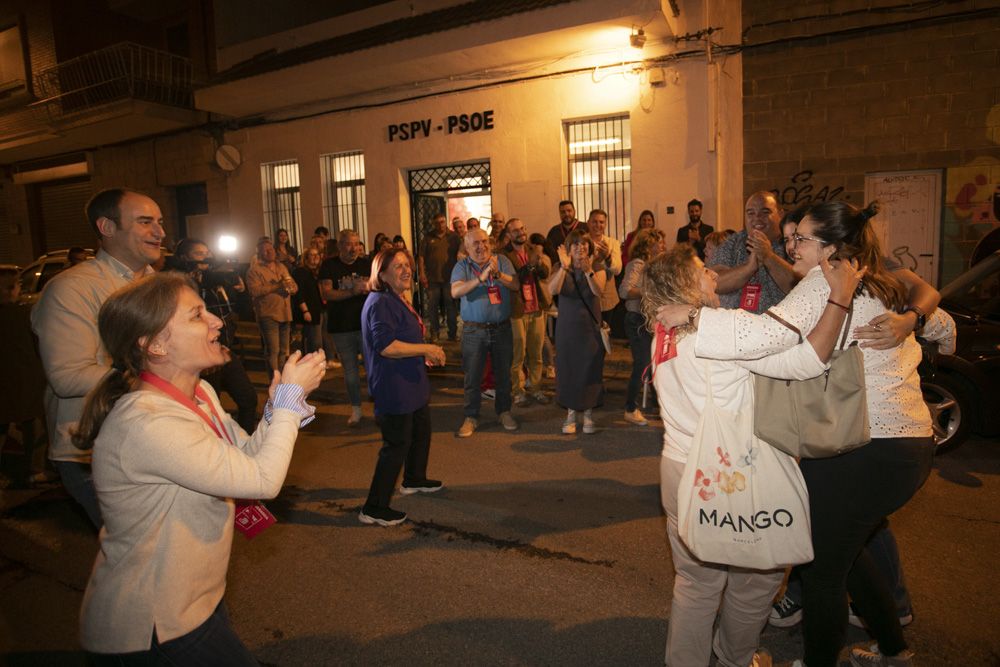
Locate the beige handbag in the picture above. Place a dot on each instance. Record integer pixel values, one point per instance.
(817, 418)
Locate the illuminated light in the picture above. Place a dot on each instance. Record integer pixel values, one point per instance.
(574, 145)
(228, 244)
(625, 168)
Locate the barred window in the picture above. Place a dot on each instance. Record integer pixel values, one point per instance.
(344, 192)
(599, 169)
(280, 186)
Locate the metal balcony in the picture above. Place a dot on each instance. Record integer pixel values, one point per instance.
(125, 71)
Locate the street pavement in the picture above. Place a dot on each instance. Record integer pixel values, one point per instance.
(543, 549)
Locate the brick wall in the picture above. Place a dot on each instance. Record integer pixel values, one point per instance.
(835, 89)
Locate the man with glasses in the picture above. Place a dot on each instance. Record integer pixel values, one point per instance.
(754, 272)
(527, 315)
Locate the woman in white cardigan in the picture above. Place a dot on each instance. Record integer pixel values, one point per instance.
(168, 462)
(740, 597)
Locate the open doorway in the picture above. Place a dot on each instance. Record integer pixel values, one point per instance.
(462, 190)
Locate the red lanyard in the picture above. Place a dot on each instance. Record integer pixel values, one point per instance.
(176, 394)
(406, 303)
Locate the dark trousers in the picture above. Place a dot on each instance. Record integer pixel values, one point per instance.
(439, 302)
(639, 342)
(232, 379)
(849, 498)
(406, 439)
(211, 644)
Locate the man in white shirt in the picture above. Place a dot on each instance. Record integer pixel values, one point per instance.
(130, 227)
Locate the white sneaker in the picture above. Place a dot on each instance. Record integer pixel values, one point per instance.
(569, 426)
(635, 417)
(522, 400)
(588, 423)
(489, 394)
(468, 427)
(542, 398)
(355, 417)
(507, 421)
(870, 657)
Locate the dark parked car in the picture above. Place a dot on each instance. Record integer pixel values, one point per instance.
(963, 389)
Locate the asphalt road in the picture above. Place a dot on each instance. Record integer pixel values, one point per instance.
(543, 549)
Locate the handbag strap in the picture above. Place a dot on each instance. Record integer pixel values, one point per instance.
(572, 277)
(798, 332)
(784, 322)
(847, 324)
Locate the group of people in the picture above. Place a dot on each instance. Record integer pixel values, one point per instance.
(137, 430)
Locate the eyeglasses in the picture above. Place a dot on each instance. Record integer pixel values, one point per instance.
(798, 238)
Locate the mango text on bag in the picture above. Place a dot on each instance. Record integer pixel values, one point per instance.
(760, 520)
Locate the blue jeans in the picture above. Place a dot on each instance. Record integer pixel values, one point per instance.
(639, 342)
(276, 338)
(478, 341)
(78, 480)
(212, 643)
(349, 347)
(438, 299)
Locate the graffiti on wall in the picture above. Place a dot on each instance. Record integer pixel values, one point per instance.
(802, 190)
(972, 210)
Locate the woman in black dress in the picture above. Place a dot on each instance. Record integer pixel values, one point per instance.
(307, 304)
(579, 351)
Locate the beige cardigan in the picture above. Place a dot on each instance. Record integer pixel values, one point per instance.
(165, 483)
(65, 321)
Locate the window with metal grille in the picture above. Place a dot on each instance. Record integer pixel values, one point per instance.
(280, 186)
(344, 192)
(599, 169)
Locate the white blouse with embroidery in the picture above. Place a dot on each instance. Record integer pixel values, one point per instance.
(896, 407)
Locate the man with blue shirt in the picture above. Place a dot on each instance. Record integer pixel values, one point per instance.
(754, 272)
(483, 282)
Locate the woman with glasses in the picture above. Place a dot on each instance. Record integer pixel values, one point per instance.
(851, 494)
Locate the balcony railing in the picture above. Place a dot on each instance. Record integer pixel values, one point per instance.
(120, 72)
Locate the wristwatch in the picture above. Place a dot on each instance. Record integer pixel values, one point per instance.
(693, 313)
(921, 318)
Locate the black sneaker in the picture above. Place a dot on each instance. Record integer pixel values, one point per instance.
(383, 516)
(425, 486)
(785, 613)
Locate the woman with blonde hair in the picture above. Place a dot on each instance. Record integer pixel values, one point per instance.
(648, 243)
(168, 462)
(679, 279)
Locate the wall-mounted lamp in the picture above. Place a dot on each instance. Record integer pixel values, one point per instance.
(638, 38)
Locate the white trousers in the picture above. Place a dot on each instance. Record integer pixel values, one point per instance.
(741, 598)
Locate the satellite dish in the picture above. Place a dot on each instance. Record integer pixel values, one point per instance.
(228, 157)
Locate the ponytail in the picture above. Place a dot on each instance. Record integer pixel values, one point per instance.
(851, 231)
(115, 384)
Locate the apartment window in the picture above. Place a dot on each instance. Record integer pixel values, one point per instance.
(599, 169)
(344, 192)
(12, 74)
(280, 186)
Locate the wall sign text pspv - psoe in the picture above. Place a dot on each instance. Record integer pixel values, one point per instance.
(457, 124)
